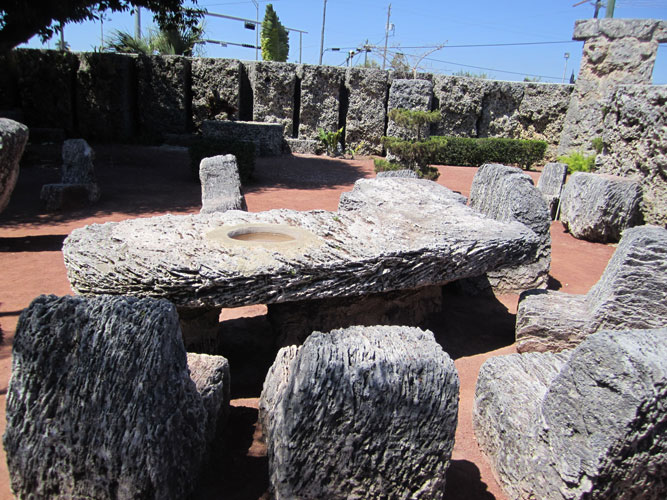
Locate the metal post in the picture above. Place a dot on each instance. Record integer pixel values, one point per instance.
(609, 12)
(324, 16)
(386, 37)
(137, 23)
(256, 30)
(300, 45)
(566, 56)
(62, 36)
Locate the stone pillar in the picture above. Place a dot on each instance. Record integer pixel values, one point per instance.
(616, 51)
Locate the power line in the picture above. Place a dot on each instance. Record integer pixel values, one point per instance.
(493, 69)
(485, 45)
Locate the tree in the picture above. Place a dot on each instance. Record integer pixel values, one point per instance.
(20, 20)
(274, 39)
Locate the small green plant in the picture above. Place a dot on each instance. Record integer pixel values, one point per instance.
(355, 150)
(578, 162)
(597, 144)
(330, 140)
(414, 120)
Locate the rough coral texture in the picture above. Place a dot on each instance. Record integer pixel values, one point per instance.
(508, 194)
(163, 95)
(211, 377)
(366, 113)
(105, 96)
(413, 95)
(388, 234)
(405, 174)
(267, 137)
(216, 89)
(583, 424)
(551, 183)
(365, 412)
(13, 138)
(273, 89)
(220, 185)
(320, 99)
(635, 144)
(100, 403)
(597, 207)
(616, 51)
(632, 293)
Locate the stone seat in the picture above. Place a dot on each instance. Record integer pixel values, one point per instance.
(361, 412)
(220, 185)
(632, 293)
(551, 183)
(597, 207)
(583, 423)
(102, 402)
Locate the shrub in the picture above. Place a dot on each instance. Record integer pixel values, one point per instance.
(330, 140)
(470, 151)
(597, 144)
(578, 162)
(205, 147)
(414, 120)
(425, 172)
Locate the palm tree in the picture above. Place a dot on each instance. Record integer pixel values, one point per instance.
(173, 41)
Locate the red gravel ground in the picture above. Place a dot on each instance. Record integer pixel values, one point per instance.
(139, 181)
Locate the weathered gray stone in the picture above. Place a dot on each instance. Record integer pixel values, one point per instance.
(508, 194)
(460, 103)
(320, 99)
(273, 87)
(598, 207)
(163, 95)
(616, 51)
(405, 174)
(375, 420)
(303, 146)
(631, 294)
(635, 144)
(56, 197)
(389, 234)
(366, 111)
(500, 108)
(78, 162)
(414, 95)
(100, 403)
(220, 185)
(13, 138)
(267, 137)
(216, 89)
(551, 183)
(105, 96)
(211, 377)
(45, 85)
(588, 423)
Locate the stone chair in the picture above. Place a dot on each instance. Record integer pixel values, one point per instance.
(551, 183)
(78, 186)
(102, 402)
(632, 293)
(220, 185)
(583, 423)
(361, 412)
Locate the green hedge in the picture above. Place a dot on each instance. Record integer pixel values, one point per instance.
(205, 147)
(467, 151)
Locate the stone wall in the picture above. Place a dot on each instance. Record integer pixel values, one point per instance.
(114, 97)
(616, 51)
(635, 144)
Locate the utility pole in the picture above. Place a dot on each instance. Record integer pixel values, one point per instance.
(137, 22)
(566, 56)
(386, 38)
(256, 30)
(324, 16)
(609, 11)
(367, 49)
(598, 6)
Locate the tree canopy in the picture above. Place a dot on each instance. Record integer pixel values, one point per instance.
(20, 20)
(274, 39)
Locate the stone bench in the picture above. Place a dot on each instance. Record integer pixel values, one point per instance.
(551, 183)
(632, 293)
(584, 423)
(102, 402)
(388, 235)
(365, 412)
(597, 207)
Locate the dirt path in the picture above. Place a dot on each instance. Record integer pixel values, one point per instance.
(145, 181)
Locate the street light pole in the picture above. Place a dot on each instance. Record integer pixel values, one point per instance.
(256, 30)
(324, 16)
(566, 56)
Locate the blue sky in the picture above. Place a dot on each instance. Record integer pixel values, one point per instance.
(545, 26)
